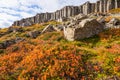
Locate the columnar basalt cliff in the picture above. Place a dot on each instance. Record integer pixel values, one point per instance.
(101, 6)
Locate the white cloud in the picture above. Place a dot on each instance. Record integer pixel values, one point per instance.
(9, 3)
(11, 10)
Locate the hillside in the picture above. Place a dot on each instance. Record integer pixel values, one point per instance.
(73, 43)
(51, 57)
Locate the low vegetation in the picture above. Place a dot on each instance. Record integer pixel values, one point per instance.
(51, 57)
(115, 10)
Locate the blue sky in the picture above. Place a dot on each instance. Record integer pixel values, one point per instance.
(11, 10)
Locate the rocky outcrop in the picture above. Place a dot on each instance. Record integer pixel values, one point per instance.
(10, 42)
(113, 23)
(58, 28)
(33, 34)
(49, 28)
(101, 6)
(15, 29)
(83, 29)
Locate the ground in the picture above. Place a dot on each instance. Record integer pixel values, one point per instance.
(51, 57)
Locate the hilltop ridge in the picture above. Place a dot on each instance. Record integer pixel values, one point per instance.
(101, 6)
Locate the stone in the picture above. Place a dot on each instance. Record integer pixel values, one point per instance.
(48, 28)
(19, 39)
(7, 43)
(80, 17)
(114, 21)
(101, 6)
(33, 34)
(1, 46)
(101, 19)
(85, 29)
(58, 27)
(62, 19)
(15, 29)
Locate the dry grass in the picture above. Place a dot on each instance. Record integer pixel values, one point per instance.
(115, 10)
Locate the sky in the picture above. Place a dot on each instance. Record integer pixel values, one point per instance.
(12, 10)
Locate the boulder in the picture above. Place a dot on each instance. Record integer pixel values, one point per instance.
(58, 28)
(85, 29)
(62, 19)
(113, 23)
(10, 42)
(19, 39)
(101, 19)
(33, 34)
(15, 29)
(80, 17)
(48, 28)
(1, 46)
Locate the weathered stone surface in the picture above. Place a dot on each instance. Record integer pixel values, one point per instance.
(101, 19)
(62, 19)
(15, 29)
(85, 29)
(80, 17)
(10, 42)
(58, 27)
(101, 6)
(33, 34)
(48, 28)
(114, 23)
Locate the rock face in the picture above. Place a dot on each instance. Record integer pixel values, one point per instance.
(10, 42)
(33, 34)
(84, 29)
(101, 6)
(58, 28)
(15, 29)
(114, 23)
(48, 28)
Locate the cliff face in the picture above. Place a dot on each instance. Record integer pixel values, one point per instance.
(101, 6)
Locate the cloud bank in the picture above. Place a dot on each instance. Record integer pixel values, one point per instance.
(11, 10)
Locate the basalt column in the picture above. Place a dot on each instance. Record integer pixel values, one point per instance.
(105, 5)
(97, 6)
(92, 7)
(81, 9)
(86, 8)
(101, 8)
(110, 5)
(117, 3)
(75, 10)
(69, 11)
(57, 15)
(65, 11)
(37, 18)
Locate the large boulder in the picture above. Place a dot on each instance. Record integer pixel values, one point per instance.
(85, 29)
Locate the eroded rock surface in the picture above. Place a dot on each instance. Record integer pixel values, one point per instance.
(84, 29)
(10, 42)
(101, 6)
